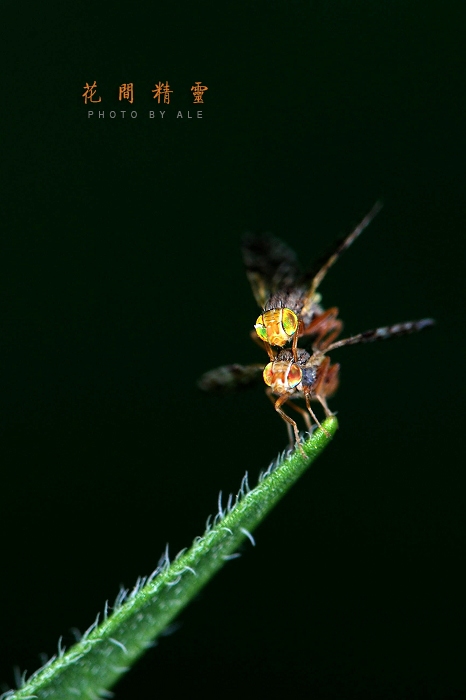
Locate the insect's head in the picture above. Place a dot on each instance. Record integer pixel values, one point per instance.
(277, 326)
(282, 376)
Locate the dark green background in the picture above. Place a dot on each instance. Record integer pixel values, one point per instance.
(121, 282)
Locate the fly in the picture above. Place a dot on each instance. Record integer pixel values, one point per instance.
(289, 299)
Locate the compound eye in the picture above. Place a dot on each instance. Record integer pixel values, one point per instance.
(294, 376)
(289, 322)
(261, 330)
(268, 374)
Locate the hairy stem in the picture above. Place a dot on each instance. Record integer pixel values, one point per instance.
(107, 650)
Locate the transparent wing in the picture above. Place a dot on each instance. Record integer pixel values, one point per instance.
(384, 333)
(228, 378)
(271, 266)
(314, 277)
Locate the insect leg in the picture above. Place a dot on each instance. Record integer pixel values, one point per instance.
(290, 436)
(265, 346)
(289, 431)
(304, 414)
(278, 403)
(299, 332)
(326, 327)
(307, 396)
(331, 381)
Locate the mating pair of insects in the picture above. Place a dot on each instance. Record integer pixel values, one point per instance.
(292, 310)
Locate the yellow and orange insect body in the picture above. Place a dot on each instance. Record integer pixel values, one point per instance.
(283, 376)
(277, 326)
(306, 378)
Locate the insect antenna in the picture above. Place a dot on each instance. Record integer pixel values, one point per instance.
(383, 333)
(343, 244)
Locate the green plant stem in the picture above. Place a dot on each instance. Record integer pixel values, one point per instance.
(107, 650)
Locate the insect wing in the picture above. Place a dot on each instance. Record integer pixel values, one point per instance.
(229, 378)
(314, 277)
(271, 266)
(384, 333)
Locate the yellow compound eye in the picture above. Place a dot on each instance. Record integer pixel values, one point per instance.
(261, 330)
(294, 376)
(289, 322)
(268, 374)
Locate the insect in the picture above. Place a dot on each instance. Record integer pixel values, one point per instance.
(307, 376)
(292, 310)
(289, 299)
